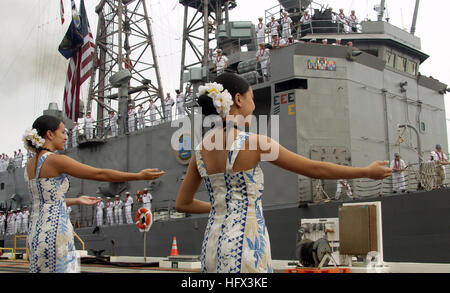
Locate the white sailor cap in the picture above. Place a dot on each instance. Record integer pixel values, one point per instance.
(127, 192)
(219, 50)
(117, 195)
(108, 197)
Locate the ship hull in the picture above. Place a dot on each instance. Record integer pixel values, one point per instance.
(416, 228)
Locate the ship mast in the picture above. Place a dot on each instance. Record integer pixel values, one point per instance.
(416, 11)
(381, 14)
(206, 13)
(124, 42)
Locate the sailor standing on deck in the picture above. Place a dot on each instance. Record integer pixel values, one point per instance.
(168, 104)
(305, 23)
(113, 123)
(131, 118)
(141, 119)
(180, 103)
(99, 212)
(147, 199)
(128, 208)
(353, 21)
(25, 218)
(286, 24)
(19, 158)
(341, 19)
(10, 223)
(273, 26)
(398, 178)
(18, 226)
(89, 125)
(153, 112)
(263, 57)
(109, 211)
(2, 223)
(343, 184)
(440, 160)
(260, 31)
(220, 62)
(74, 135)
(118, 204)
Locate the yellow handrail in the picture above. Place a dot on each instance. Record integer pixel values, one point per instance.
(20, 248)
(78, 237)
(13, 254)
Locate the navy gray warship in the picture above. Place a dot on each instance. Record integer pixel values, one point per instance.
(345, 104)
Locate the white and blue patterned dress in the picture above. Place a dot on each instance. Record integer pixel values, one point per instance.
(50, 240)
(236, 238)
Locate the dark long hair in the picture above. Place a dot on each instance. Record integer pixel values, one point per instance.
(231, 82)
(42, 124)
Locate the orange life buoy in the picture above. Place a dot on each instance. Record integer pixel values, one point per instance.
(144, 219)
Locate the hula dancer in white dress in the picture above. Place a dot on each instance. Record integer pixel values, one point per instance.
(236, 239)
(50, 241)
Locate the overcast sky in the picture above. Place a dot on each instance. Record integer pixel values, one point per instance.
(33, 72)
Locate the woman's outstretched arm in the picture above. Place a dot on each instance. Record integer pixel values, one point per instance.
(186, 203)
(67, 165)
(321, 170)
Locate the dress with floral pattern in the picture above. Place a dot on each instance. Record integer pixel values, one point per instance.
(236, 238)
(50, 240)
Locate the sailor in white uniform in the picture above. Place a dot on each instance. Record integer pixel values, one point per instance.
(440, 160)
(74, 135)
(89, 125)
(131, 118)
(10, 223)
(260, 31)
(25, 220)
(398, 178)
(99, 212)
(128, 208)
(286, 25)
(180, 103)
(305, 23)
(118, 204)
(153, 112)
(2, 223)
(147, 199)
(343, 184)
(220, 62)
(353, 21)
(113, 123)
(141, 119)
(273, 26)
(168, 104)
(263, 57)
(109, 211)
(342, 21)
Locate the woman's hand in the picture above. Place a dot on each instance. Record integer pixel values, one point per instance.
(378, 171)
(151, 174)
(87, 200)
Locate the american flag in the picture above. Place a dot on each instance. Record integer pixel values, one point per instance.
(62, 12)
(80, 64)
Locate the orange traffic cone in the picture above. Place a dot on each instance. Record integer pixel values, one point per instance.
(174, 247)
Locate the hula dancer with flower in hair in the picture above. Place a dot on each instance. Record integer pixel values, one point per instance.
(236, 238)
(50, 240)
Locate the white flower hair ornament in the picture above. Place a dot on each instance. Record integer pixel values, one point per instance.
(31, 135)
(222, 99)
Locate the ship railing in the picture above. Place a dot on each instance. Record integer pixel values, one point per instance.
(416, 177)
(86, 218)
(103, 129)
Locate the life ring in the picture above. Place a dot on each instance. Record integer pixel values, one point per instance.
(144, 219)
